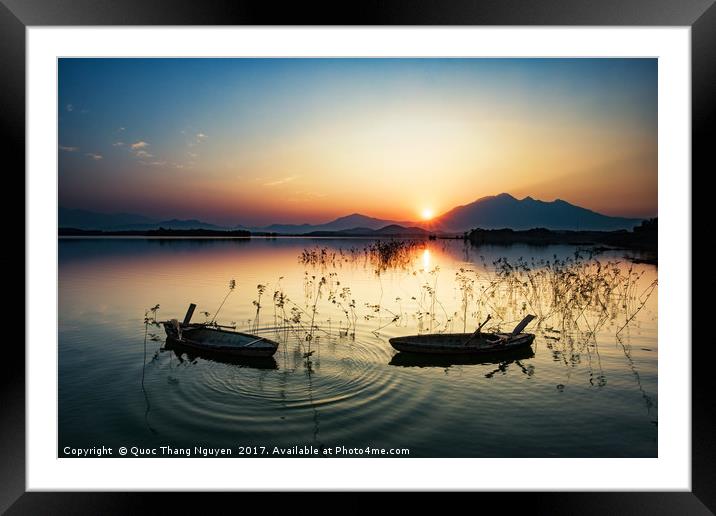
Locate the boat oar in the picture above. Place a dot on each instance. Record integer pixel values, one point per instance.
(518, 329)
(477, 331)
(212, 325)
(224, 326)
(254, 341)
(277, 328)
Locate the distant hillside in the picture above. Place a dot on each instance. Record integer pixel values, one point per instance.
(84, 219)
(493, 212)
(390, 230)
(92, 220)
(161, 232)
(644, 237)
(504, 211)
(174, 224)
(395, 229)
(349, 222)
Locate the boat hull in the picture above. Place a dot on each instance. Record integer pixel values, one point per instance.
(222, 342)
(454, 343)
(184, 352)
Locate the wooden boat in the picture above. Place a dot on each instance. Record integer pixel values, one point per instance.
(217, 339)
(466, 343)
(190, 353)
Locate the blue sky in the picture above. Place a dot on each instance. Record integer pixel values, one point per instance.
(267, 140)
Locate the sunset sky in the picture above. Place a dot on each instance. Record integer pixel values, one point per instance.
(259, 141)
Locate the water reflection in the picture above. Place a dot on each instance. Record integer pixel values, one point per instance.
(648, 400)
(426, 259)
(191, 355)
(314, 408)
(353, 389)
(404, 359)
(148, 322)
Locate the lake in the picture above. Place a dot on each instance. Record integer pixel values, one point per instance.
(588, 388)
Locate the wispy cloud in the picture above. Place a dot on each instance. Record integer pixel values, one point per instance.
(138, 149)
(201, 137)
(281, 181)
(192, 155)
(118, 144)
(68, 149)
(94, 156)
(70, 107)
(305, 196)
(160, 163)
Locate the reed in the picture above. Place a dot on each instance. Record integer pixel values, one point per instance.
(574, 298)
(381, 255)
(232, 286)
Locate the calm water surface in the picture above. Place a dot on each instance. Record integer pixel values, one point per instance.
(582, 392)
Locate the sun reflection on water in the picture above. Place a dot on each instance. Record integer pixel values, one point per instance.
(426, 258)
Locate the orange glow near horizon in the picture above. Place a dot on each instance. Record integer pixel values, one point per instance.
(276, 141)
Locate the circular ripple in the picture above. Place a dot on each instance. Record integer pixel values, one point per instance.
(347, 385)
(339, 370)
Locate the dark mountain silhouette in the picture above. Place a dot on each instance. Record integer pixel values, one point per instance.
(175, 224)
(390, 230)
(84, 219)
(493, 212)
(358, 220)
(161, 232)
(505, 211)
(91, 220)
(395, 229)
(353, 221)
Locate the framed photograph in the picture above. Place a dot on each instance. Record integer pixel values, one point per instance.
(439, 250)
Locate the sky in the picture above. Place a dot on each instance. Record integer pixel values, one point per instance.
(261, 141)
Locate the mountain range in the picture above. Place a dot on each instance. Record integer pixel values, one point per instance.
(505, 211)
(84, 219)
(349, 222)
(492, 212)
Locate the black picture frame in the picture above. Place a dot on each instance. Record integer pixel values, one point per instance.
(700, 15)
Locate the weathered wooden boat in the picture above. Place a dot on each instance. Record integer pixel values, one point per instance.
(217, 339)
(466, 343)
(190, 354)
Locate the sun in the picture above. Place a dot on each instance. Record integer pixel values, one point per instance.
(427, 214)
